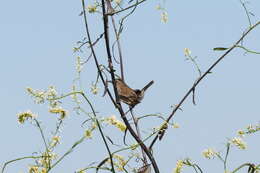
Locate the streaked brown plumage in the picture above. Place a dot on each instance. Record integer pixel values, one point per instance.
(128, 95)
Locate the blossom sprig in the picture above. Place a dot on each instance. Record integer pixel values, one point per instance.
(47, 158)
(250, 129)
(185, 162)
(175, 125)
(164, 17)
(118, 2)
(88, 132)
(26, 115)
(37, 169)
(119, 162)
(179, 166)
(209, 153)
(239, 142)
(81, 171)
(115, 122)
(55, 141)
(187, 54)
(93, 8)
(59, 110)
(94, 89)
(164, 14)
(40, 96)
(134, 146)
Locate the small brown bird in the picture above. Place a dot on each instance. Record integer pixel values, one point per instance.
(128, 95)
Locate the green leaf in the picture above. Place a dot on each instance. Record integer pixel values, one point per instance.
(220, 48)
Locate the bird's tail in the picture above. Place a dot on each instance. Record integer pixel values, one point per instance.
(147, 86)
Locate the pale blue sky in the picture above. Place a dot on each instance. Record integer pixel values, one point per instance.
(36, 43)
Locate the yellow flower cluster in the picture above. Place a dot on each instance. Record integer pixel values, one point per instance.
(51, 92)
(240, 133)
(113, 121)
(81, 171)
(209, 153)
(253, 129)
(55, 141)
(41, 96)
(94, 89)
(179, 166)
(249, 130)
(134, 146)
(187, 52)
(59, 110)
(46, 159)
(119, 162)
(164, 17)
(88, 134)
(176, 125)
(164, 14)
(92, 8)
(118, 1)
(36, 169)
(237, 141)
(37, 94)
(23, 116)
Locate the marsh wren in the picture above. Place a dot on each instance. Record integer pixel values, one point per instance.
(128, 95)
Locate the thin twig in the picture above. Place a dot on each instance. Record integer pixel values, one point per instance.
(139, 134)
(203, 76)
(226, 156)
(119, 48)
(131, 6)
(69, 151)
(101, 131)
(22, 158)
(241, 166)
(247, 13)
(93, 52)
(99, 71)
(45, 143)
(248, 50)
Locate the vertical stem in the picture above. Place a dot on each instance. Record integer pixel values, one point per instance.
(118, 104)
(99, 71)
(138, 134)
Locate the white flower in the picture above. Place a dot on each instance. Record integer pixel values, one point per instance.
(209, 153)
(179, 166)
(187, 52)
(92, 8)
(176, 125)
(23, 116)
(237, 141)
(94, 89)
(118, 1)
(164, 17)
